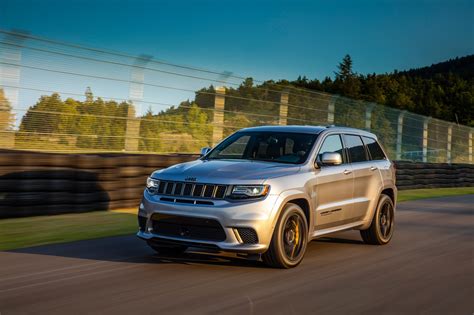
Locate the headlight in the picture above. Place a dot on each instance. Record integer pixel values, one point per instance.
(152, 185)
(249, 191)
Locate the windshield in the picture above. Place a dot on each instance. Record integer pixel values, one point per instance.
(282, 147)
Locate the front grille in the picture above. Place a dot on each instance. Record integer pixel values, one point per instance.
(172, 188)
(188, 227)
(248, 235)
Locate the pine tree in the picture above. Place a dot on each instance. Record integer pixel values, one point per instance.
(345, 69)
(347, 82)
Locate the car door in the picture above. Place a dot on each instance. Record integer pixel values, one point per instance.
(334, 186)
(377, 156)
(367, 179)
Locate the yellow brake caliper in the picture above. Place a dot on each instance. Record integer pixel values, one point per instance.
(297, 239)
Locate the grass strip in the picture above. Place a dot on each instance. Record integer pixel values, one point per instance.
(42, 230)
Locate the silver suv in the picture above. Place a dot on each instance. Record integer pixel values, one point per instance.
(267, 191)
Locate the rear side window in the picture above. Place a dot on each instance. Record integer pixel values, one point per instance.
(355, 148)
(376, 152)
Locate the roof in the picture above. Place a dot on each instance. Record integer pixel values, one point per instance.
(301, 129)
(308, 129)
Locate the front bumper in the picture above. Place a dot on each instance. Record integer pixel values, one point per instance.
(231, 215)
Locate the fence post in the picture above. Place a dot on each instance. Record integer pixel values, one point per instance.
(331, 109)
(136, 89)
(470, 147)
(10, 73)
(283, 120)
(132, 131)
(368, 116)
(401, 115)
(218, 120)
(448, 143)
(425, 138)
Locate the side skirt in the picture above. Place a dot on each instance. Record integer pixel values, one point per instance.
(339, 228)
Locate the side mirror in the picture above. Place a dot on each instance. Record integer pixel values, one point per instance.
(331, 158)
(205, 151)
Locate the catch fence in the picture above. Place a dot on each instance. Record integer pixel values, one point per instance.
(63, 97)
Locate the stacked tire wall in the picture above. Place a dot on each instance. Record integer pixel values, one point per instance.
(34, 183)
(433, 175)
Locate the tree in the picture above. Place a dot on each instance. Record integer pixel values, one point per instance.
(347, 83)
(149, 128)
(45, 116)
(7, 118)
(345, 69)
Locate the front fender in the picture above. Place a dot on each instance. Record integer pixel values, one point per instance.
(285, 197)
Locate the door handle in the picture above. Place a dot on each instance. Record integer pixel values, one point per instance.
(373, 168)
(347, 172)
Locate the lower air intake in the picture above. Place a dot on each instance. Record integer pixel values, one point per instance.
(248, 235)
(191, 228)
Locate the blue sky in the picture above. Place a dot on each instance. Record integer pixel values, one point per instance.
(259, 39)
(263, 39)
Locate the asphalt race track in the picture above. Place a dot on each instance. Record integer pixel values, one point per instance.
(427, 268)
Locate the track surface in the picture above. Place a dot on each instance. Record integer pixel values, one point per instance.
(427, 268)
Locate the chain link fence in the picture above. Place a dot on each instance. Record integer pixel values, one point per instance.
(57, 96)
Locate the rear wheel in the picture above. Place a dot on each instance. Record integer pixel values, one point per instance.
(289, 239)
(167, 249)
(381, 230)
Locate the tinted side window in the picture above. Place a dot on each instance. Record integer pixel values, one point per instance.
(331, 144)
(355, 148)
(376, 152)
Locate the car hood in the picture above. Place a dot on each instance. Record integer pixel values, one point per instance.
(226, 171)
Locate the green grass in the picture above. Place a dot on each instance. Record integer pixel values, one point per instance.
(34, 231)
(415, 194)
(41, 230)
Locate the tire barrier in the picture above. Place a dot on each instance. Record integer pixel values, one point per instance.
(416, 175)
(33, 183)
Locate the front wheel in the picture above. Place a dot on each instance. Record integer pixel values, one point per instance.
(289, 239)
(381, 230)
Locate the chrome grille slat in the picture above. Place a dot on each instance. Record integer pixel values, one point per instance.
(188, 189)
(178, 189)
(169, 188)
(208, 191)
(214, 191)
(221, 191)
(196, 190)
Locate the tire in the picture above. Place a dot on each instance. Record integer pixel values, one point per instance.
(381, 229)
(167, 250)
(289, 240)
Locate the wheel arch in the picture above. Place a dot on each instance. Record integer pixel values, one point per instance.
(299, 198)
(389, 192)
(304, 205)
